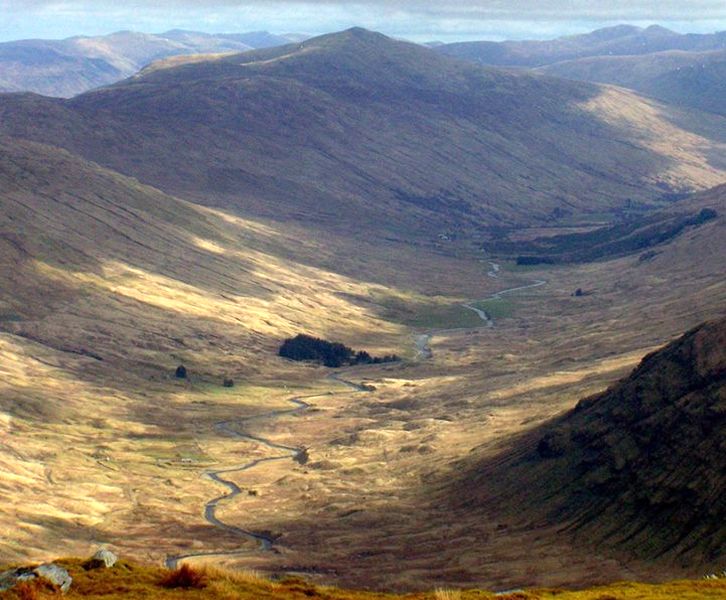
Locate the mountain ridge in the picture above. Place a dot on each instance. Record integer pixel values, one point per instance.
(638, 467)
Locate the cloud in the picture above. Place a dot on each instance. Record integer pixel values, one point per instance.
(477, 10)
(420, 20)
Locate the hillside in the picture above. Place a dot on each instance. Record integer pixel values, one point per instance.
(109, 285)
(358, 128)
(688, 79)
(620, 40)
(639, 467)
(84, 246)
(64, 68)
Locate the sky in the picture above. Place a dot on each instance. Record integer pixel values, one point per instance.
(418, 20)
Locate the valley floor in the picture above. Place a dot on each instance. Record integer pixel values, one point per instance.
(123, 462)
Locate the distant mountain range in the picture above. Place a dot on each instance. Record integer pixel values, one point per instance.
(64, 68)
(621, 40)
(684, 69)
(687, 70)
(358, 128)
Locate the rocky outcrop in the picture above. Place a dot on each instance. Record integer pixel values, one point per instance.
(53, 574)
(103, 558)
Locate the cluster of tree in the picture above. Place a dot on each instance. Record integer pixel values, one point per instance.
(331, 354)
(620, 239)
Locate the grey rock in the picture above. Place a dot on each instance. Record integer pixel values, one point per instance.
(55, 575)
(9, 579)
(103, 558)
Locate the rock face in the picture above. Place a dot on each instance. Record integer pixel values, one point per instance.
(644, 464)
(103, 558)
(53, 574)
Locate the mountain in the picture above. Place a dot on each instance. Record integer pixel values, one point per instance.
(689, 79)
(621, 40)
(644, 462)
(64, 68)
(364, 133)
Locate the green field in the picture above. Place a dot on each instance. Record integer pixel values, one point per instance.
(497, 308)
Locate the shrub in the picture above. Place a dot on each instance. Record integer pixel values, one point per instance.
(228, 383)
(185, 577)
(27, 590)
(181, 372)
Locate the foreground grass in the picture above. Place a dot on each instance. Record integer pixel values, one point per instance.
(129, 580)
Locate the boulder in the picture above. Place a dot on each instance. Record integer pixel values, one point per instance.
(55, 575)
(102, 559)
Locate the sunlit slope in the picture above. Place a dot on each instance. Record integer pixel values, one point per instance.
(108, 285)
(97, 263)
(361, 132)
(691, 79)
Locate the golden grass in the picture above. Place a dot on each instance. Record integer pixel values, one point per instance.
(92, 450)
(133, 581)
(446, 594)
(651, 127)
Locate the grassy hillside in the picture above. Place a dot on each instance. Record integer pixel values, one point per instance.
(108, 286)
(357, 128)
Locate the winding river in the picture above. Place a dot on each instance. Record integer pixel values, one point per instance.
(299, 405)
(229, 428)
(423, 341)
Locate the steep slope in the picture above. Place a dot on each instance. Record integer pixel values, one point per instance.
(621, 40)
(641, 467)
(357, 128)
(64, 68)
(691, 79)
